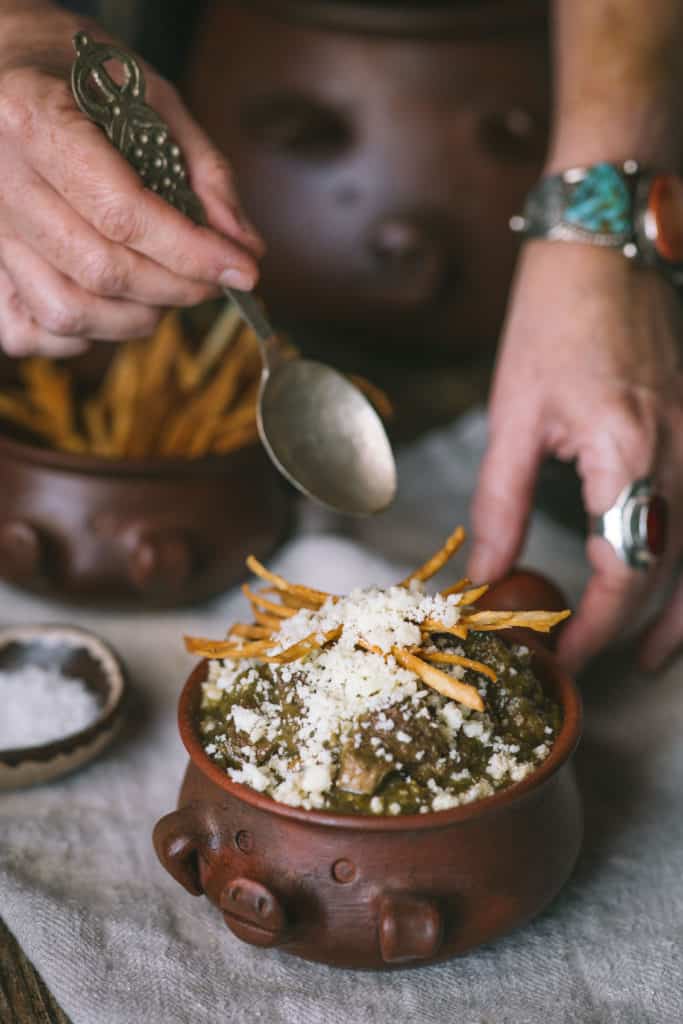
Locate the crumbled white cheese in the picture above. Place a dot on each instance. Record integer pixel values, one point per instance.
(452, 715)
(248, 721)
(499, 765)
(475, 729)
(251, 775)
(382, 618)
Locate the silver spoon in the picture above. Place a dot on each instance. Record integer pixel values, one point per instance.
(319, 430)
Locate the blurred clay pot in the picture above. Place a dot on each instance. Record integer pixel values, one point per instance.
(147, 532)
(376, 892)
(381, 150)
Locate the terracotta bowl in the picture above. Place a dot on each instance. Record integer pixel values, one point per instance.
(149, 532)
(375, 892)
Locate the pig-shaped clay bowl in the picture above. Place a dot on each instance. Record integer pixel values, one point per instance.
(135, 532)
(377, 891)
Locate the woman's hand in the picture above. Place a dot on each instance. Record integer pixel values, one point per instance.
(85, 250)
(589, 369)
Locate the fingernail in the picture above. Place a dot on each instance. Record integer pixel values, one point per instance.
(237, 279)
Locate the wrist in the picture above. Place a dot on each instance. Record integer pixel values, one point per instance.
(648, 136)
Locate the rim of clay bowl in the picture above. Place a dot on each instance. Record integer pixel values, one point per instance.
(548, 669)
(425, 19)
(98, 465)
(58, 756)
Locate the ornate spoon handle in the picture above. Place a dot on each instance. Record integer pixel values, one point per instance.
(144, 140)
(131, 124)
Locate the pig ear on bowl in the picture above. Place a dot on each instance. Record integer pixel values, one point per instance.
(178, 840)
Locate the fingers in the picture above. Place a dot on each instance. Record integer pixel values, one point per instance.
(627, 446)
(49, 225)
(59, 306)
(21, 336)
(664, 638)
(609, 600)
(503, 497)
(622, 447)
(209, 174)
(75, 157)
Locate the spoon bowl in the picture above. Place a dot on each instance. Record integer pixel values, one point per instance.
(324, 435)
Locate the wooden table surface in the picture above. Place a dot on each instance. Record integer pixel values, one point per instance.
(24, 999)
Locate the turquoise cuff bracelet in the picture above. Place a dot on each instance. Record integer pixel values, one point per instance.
(614, 205)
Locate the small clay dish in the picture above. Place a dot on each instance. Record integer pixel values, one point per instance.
(147, 532)
(82, 655)
(377, 891)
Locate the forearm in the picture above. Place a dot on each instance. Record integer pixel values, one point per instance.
(618, 82)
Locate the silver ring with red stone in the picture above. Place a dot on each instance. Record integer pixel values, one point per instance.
(636, 524)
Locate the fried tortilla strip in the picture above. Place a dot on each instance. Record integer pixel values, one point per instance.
(186, 373)
(243, 412)
(276, 609)
(249, 632)
(120, 394)
(232, 441)
(293, 601)
(95, 420)
(191, 430)
(157, 393)
(220, 392)
(456, 587)
(263, 619)
(541, 622)
(176, 434)
(473, 595)
(15, 409)
(316, 597)
(439, 681)
(226, 649)
(372, 648)
(161, 354)
(447, 658)
(313, 642)
(241, 415)
(217, 339)
(434, 626)
(151, 413)
(49, 390)
(439, 559)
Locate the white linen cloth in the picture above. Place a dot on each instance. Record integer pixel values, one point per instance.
(119, 942)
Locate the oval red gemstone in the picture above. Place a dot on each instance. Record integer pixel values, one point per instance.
(665, 209)
(656, 525)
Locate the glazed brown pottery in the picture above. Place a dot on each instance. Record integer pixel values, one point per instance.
(381, 150)
(149, 532)
(375, 892)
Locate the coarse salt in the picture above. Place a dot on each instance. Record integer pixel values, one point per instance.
(40, 705)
